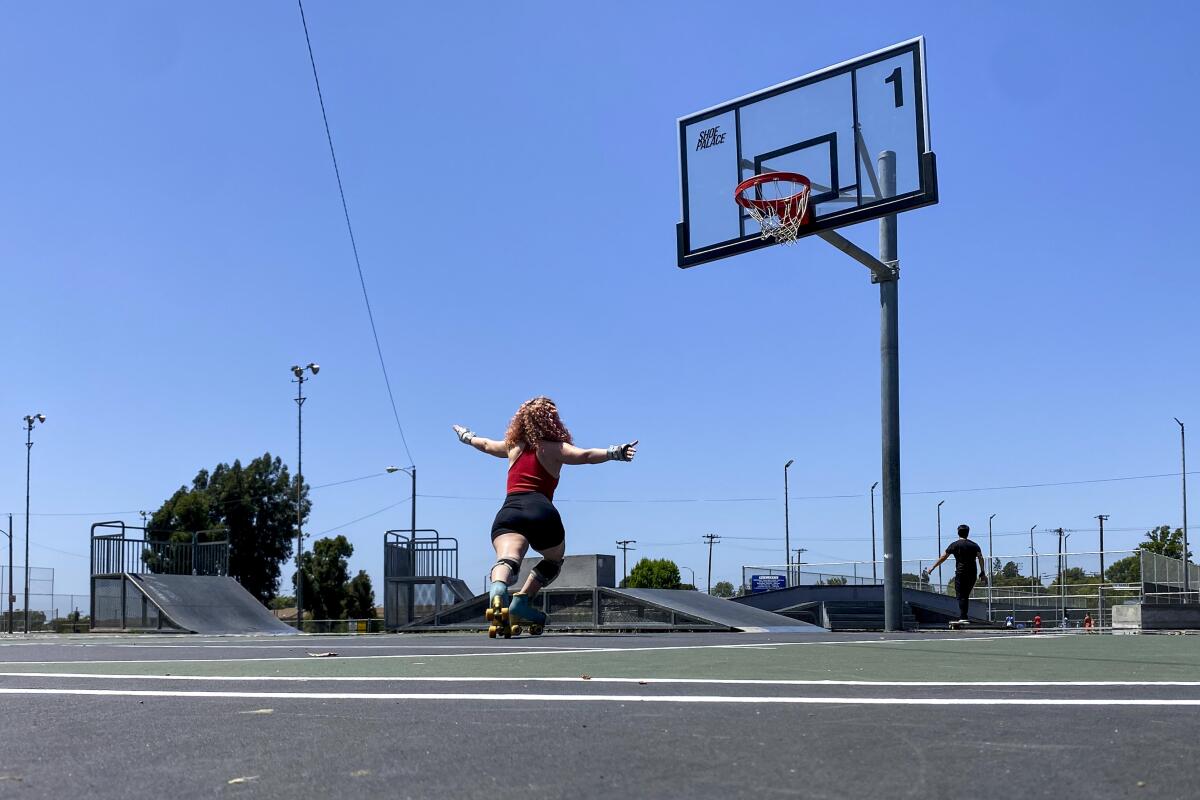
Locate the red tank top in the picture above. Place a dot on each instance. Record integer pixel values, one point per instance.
(528, 475)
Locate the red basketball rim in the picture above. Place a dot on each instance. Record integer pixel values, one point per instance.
(777, 205)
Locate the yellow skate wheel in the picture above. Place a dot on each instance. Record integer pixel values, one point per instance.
(516, 630)
(488, 615)
(492, 631)
(504, 614)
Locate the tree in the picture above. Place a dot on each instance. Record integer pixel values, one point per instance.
(327, 573)
(360, 597)
(722, 589)
(1127, 570)
(254, 506)
(1161, 540)
(835, 580)
(653, 573)
(1165, 542)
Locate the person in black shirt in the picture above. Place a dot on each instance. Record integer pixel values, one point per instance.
(965, 553)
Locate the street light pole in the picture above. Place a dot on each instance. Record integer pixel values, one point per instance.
(30, 421)
(1186, 561)
(1032, 563)
(300, 398)
(693, 572)
(1102, 517)
(874, 575)
(11, 596)
(787, 543)
(412, 473)
(991, 573)
(939, 517)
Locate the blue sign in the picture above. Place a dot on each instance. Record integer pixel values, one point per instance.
(765, 583)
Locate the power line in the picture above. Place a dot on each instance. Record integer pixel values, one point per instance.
(362, 518)
(350, 228)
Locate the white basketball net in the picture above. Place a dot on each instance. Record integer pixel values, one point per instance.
(778, 206)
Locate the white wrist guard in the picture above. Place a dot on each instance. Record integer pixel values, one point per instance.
(466, 436)
(618, 452)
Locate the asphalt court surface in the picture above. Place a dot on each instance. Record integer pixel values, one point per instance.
(645, 715)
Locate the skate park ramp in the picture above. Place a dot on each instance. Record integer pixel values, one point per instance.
(861, 607)
(607, 609)
(208, 604)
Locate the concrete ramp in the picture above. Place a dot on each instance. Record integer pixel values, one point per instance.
(721, 612)
(207, 604)
(603, 609)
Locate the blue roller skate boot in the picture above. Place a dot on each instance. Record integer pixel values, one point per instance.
(497, 612)
(522, 610)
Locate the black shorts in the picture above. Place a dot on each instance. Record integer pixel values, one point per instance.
(532, 515)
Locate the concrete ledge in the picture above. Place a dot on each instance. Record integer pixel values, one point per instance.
(1147, 617)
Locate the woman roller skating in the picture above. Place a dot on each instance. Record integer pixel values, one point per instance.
(537, 445)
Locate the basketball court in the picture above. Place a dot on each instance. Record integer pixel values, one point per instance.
(698, 715)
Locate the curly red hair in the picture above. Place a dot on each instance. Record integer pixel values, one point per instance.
(536, 421)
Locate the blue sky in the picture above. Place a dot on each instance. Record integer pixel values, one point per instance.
(173, 241)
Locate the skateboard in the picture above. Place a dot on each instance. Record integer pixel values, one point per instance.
(497, 614)
(958, 625)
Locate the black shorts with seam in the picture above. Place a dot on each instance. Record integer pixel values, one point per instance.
(532, 515)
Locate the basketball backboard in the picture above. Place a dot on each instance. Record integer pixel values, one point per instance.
(830, 126)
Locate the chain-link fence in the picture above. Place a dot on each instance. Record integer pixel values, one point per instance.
(1060, 588)
(48, 610)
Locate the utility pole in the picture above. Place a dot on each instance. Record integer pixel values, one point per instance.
(1062, 603)
(799, 552)
(625, 548)
(1102, 517)
(712, 539)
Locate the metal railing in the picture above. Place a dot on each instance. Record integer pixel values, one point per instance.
(115, 554)
(423, 553)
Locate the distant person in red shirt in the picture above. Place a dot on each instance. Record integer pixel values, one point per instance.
(1037, 623)
(1088, 623)
(537, 445)
(965, 553)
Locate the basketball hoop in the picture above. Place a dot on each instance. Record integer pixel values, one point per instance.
(779, 203)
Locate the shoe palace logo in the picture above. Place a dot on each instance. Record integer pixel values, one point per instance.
(710, 138)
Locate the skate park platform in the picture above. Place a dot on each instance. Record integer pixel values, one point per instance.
(851, 607)
(698, 715)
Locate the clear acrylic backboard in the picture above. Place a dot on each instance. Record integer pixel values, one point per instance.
(830, 126)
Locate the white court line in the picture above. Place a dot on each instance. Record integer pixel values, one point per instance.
(538, 651)
(616, 698)
(577, 679)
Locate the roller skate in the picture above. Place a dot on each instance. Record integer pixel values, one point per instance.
(497, 612)
(522, 610)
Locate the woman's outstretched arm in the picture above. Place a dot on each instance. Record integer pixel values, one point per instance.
(489, 446)
(570, 454)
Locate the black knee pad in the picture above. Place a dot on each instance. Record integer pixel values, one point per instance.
(546, 571)
(513, 566)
